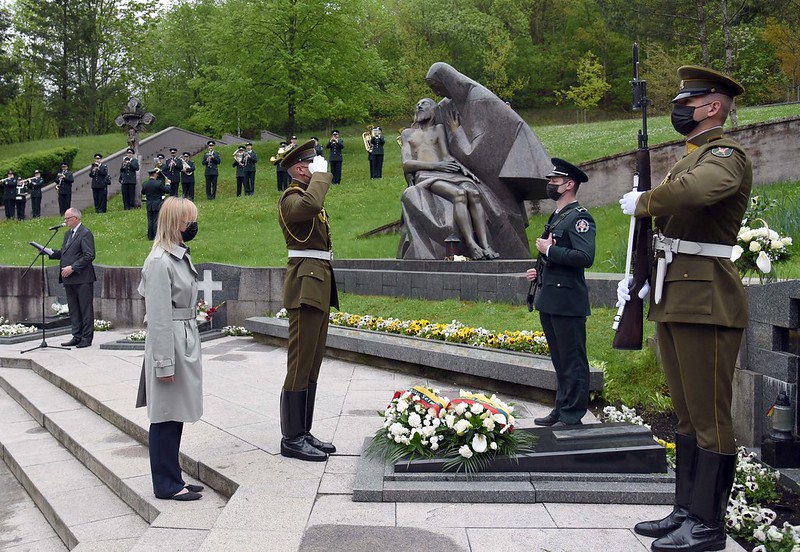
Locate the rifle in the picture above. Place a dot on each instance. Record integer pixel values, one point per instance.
(629, 321)
(539, 266)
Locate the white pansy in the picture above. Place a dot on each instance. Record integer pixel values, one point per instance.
(736, 252)
(763, 263)
(755, 246)
(465, 451)
(476, 408)
(774, 534)
(479, 443)
(461, 427)
(414, 420)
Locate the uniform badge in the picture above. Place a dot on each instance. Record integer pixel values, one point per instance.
(722, 152)
(582, 226)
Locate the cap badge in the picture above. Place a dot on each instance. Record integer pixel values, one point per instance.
(683, 85)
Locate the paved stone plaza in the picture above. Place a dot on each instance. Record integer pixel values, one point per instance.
(262, 500)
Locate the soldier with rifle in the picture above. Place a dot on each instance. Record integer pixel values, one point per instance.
(698, 304)
(566, 249)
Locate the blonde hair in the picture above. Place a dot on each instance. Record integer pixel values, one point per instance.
(174, 212)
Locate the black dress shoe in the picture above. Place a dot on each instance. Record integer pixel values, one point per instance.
(548, 420)
(71, 343)
(189, 495)
(83, 344)
(321, 445)
(194, 488)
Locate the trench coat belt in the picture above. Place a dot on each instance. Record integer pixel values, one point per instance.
(184, 313)
(666, 248)
(311, 254)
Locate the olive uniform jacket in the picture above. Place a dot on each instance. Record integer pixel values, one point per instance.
(564, 291)
(302, 218)
(702, 199)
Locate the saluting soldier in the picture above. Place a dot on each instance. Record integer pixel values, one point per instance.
(172, 171)
(698, 304)
(98, 176)
(36, 194)
(9, 193)
(127, 179)
(567, 250)
(64, 181)
(187, 175)
(153, 190)
(309, 291)
(376, 155)
(250, 160)
(336, 145)
(211, 161)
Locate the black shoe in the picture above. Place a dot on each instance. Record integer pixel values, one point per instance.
(189, 495)
(194, 488)
(327, 448)
(72, 342)
(548, 420)
(83, 344)
(311, 399)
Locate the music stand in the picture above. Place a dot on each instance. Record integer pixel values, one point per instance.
(41, 248)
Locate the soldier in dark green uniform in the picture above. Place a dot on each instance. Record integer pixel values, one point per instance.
(698, 304)
(566, 249)
(309, 291)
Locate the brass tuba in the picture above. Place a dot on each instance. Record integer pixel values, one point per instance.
(366, 136)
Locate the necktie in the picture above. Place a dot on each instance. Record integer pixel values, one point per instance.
(69, 238)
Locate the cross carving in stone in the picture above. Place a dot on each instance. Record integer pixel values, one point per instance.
(207, 285)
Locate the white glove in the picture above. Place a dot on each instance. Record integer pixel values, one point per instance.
(629, 201)
(47, 251)
(623, 291)
(318, 164)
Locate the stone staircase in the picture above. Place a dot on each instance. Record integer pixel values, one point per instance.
(89, 478)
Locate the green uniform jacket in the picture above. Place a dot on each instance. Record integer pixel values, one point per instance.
(703, 198)
(302, 218)
(564, 291)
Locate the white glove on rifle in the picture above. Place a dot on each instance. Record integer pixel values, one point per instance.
(624, 294)
(318, 164)
(629, 201)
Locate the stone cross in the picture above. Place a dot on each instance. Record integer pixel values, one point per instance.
(134, 119)
(207, 285)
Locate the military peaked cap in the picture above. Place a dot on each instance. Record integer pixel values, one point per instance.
(564, 168)
(698, 81)
(303, 152)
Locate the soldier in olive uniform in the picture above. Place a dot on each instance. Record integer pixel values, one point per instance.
(153, 190)
(308, 293)
(698, 304)
(36, 194)
(566, 249)
(98, 175)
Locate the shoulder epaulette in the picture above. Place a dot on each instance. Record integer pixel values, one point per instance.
(580, 209)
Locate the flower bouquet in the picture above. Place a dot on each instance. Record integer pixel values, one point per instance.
(757, 248)
(206, 313)
(468, 431)
(59, 309)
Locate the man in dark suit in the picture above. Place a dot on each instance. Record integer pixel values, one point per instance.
(77, 275)
(153, 190)
(336, 145)
(376, 141)
(36, 194)
(127, 179)
(187, 175)
(567, 249)
(172, 171)
(250, 160)
(64, 181)
(211, 160)
(98, 175)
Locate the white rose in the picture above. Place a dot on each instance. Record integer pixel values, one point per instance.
(776, 244)
(763, 263)
(465, 451)
(746, 235)
(476, 408)
(773, 235)
(488, 423)
(755, 246)
(461, 408)
(736, 252)
(414, 420)
(493, 445)
(787, 241)
(461, 427)
(402, 405)
(479, 443)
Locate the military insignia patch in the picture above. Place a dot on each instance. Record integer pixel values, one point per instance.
(582, 226)
(722, 152)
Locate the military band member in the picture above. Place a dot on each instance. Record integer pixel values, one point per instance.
(336, 145)
(317, 146)
(308, 293)
(64, 181)
(376, 155)
(567, 248)
(159, 165)
(127, 179)
(172, 171)
(250, 160)
(211, 161)
(238, 164)
(187, 175)
(153, 190)
(9, 194)
(36, 194)
(280, 172)
(98, 176)
(698, 304)
(21, 197)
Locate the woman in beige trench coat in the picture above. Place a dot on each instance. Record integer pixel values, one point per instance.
(172, 371)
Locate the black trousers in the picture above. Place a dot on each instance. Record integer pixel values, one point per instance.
(566, 337)
(240, 183)
(36, 207)
(173, 187)
(211, 186)
(376, 166)
(152, 224)
(188, 189)
(128, 196)
(80, 300)
(64, 202)
(9, 205)
(100, 196)
(164, 443)
(249, 182)
(20, 204)
(283, 180)
(336, 170)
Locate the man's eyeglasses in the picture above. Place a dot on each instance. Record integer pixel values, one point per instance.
(67, 218)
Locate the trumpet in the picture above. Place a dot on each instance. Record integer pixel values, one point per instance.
(125, 162)
(366, 136)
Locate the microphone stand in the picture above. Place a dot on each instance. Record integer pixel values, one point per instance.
(43, 344)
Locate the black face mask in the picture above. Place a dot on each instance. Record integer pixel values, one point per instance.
(683, 118)
(553, 193)
(190, 232)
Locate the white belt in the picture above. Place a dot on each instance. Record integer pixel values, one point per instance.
(311, 254)
(671, 246)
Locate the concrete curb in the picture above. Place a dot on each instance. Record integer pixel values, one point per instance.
(128, 345)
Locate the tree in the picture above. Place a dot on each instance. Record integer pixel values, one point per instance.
(783, 36)
(8, 65)
(591, 85)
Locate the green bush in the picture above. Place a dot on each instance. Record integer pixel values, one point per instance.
(48, 162)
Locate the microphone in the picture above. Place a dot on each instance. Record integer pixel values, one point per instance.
(57, 226)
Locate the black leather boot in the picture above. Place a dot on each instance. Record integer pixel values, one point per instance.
(704, 527)
(685, 454)
(293, 428)
(310, 439)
